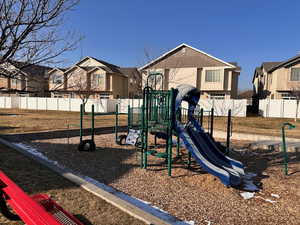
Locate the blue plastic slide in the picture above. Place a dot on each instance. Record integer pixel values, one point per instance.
(202, 146)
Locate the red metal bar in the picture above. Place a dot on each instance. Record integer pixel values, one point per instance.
(36, 210)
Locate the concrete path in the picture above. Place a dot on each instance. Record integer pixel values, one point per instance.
(251, 137)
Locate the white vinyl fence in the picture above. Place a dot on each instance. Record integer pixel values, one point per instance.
(278, 108)
(221, 107)
(59, 104)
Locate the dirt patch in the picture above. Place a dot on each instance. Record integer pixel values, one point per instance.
(34, 178)
(188, 194)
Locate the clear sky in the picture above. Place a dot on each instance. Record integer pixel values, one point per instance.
(248, 32)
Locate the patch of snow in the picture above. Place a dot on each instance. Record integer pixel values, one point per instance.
(208, 222)
(36, 153)
(266, 199)
(146, 206)
(191, 222)
(275, 195)
(247, 195)
(269, 200)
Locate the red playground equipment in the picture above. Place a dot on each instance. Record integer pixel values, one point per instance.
(38, 209)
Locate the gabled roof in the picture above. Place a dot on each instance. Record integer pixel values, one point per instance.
(128, 71)
(59, 69)
(257, 72)
(286, 63)
(269, 65)
(112, 67)
(31, 69)
(180, 46)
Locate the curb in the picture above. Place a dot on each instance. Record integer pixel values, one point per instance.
(118, 199)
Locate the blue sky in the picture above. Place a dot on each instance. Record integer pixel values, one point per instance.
(248, 32)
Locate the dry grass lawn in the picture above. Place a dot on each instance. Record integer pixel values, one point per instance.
(24, 121)
(35, 178)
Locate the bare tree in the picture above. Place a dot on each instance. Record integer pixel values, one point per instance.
(32, 32)
(80, 84)
(84, 84)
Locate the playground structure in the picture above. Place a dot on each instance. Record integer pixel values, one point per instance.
(162, 115)
(32, 210)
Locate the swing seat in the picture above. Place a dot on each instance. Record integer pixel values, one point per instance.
(87, 146)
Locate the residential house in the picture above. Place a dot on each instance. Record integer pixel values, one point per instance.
(23, 79)
(277, 80)
(98, 78)
(215, 78)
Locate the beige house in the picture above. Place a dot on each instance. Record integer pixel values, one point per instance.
(96, 77)
(277, 80)
(184, 64)
(22, 79)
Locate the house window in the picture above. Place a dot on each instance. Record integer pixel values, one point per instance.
(212, 75)
(99, 80)
(15, 81)
(295, 74)
(217, 96)
(57, 79)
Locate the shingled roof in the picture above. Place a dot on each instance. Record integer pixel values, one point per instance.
(288, 62)
(269, 65)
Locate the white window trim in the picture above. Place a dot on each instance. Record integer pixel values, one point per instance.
(96, 80)
(55, 77)
(291, 74)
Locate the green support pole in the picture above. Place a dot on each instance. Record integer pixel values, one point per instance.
(93, 122)
(128, 118)
(228, 131)
(212, 123)
(178, 146)
(170, 152)
(286, 159)
(189, 159)
(142, 135)
(81, 122)
(171, 107)
(147, 112)
(117, 123)
(285, 164)
(201, 117)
